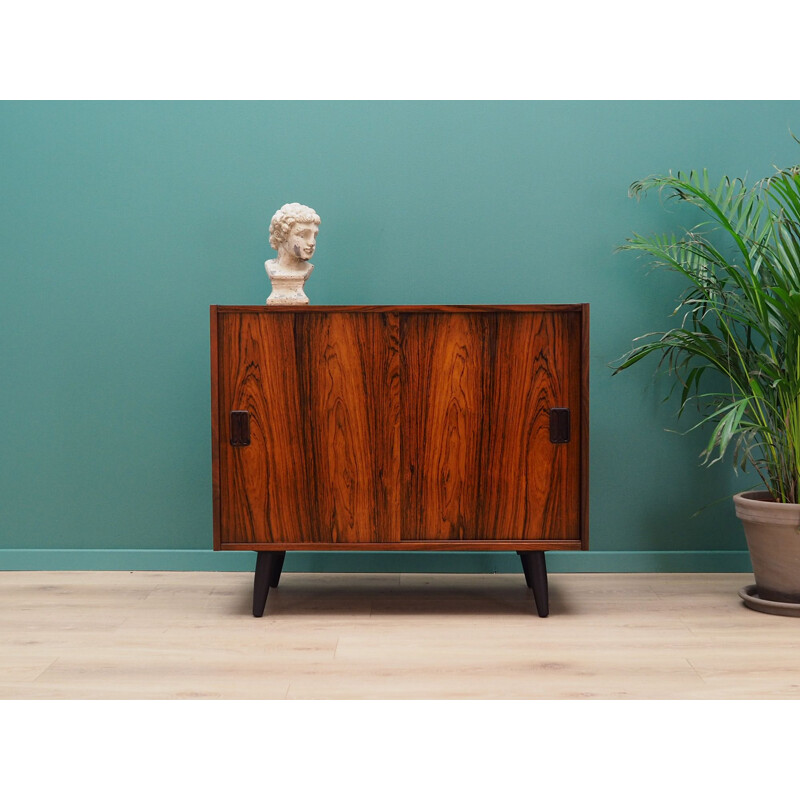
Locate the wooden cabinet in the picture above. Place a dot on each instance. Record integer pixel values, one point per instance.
(400, 428)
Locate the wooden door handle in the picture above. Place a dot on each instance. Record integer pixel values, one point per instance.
(240, 428)
(559, 425)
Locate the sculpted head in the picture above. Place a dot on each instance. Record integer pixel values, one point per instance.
(293, 230)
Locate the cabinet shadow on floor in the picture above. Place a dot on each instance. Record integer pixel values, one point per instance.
(398, 595)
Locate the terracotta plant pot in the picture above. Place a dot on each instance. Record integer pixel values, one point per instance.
(773, 538)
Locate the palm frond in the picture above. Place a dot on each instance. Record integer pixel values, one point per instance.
(739, 317)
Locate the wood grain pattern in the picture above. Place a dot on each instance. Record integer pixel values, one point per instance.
(443, 393)
(216, 493)
(350, 402)
(417, 544)
(477, 392)
(531, 486)
(584, 425)
(322, 393)
(400, 309)
(265, 491)
(388, 427)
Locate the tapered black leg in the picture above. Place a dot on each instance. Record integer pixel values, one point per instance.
(264, 561)
(539, 580)
(525, 568)
(535, 568)
(277, 566)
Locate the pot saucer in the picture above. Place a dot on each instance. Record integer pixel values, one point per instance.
(751, 599)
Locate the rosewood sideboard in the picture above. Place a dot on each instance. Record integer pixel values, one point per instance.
(400, 428)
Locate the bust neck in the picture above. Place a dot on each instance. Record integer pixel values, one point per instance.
(289, 262)
(289, 267)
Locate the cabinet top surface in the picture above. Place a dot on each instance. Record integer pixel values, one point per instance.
(305, 309)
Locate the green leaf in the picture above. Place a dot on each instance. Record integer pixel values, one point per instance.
(738, 320)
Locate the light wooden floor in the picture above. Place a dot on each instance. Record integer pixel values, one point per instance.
(191, 635)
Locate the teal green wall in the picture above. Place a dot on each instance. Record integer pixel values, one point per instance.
(122, 222)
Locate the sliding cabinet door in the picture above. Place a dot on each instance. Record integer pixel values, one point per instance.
(319, 394)
(478, 389)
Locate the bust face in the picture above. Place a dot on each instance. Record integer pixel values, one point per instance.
(302, 240)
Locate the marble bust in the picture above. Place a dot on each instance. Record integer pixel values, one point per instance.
(293, 233)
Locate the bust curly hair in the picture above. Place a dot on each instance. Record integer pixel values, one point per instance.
(287, 216)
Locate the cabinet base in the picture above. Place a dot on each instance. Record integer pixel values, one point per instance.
(269, 564)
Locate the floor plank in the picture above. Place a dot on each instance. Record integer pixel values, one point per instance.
(172, 635)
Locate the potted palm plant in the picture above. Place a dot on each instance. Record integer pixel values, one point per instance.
(735, 352)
